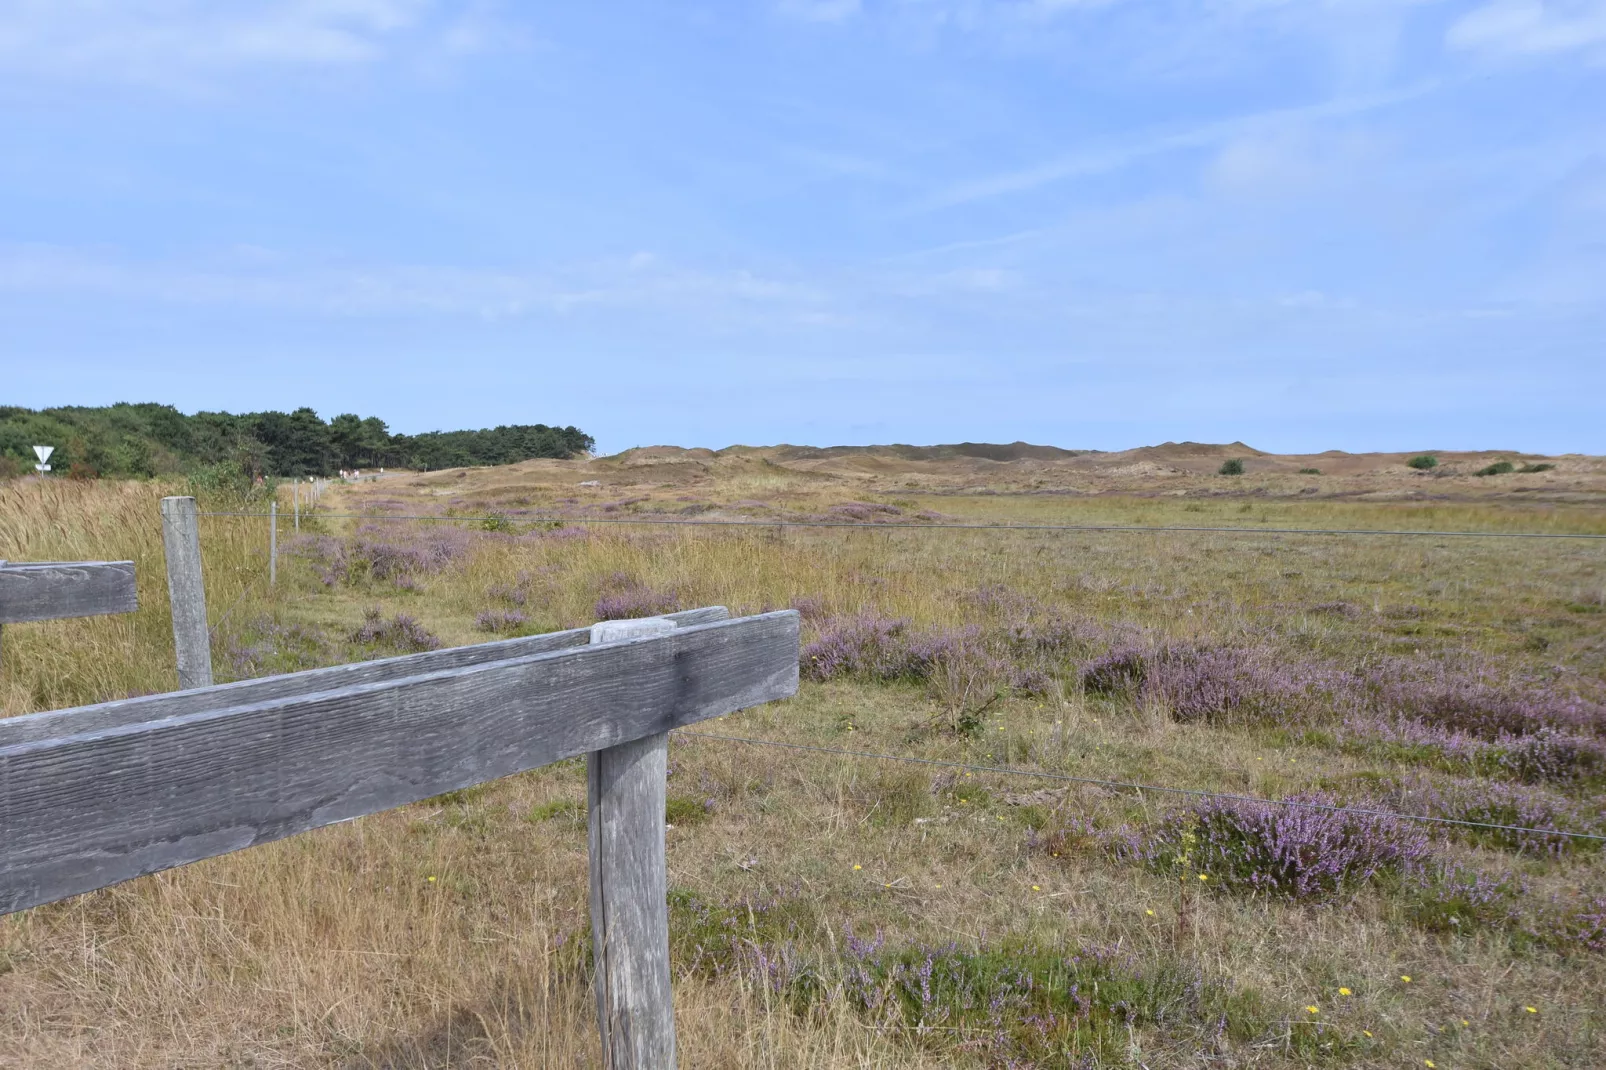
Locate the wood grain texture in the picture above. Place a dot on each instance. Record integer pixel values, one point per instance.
(625, 800)
(52, 590)
(186, 593)
(51, 724)
(91, 809)
(625, 797)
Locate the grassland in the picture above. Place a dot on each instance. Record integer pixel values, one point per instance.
(840, 911)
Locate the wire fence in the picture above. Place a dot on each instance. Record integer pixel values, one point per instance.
(1161, 789)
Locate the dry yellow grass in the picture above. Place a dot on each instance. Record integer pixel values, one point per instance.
(339, 949)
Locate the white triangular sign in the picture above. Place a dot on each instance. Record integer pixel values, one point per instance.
(43, 453)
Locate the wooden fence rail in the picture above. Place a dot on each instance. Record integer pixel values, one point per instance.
(52, 590)
(100, 794)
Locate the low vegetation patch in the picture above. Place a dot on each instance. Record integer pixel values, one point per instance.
(1291, 851)
(400, 634)
(1004, 1004)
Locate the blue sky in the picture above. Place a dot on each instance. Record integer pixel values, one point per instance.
(1311, 224)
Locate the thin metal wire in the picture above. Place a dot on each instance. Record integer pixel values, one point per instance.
(932, 526)
(1194, 792)
(247, 589)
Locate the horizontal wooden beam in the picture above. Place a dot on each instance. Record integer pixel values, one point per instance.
(87, 810)
(52, 724)
(48, 590)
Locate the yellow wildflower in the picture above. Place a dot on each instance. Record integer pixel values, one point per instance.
(1035, 888)
(1313, 1009)
(1150, 913)
(1204, 876)
(1531, 1010)
(1345, 992)
(1405, 977)
(857, 866)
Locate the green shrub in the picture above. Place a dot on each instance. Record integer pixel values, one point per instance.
(1231, 467)
(1310, 471)
(1499, 468)
(1423, 461)
(681, 810)
(1536, 468)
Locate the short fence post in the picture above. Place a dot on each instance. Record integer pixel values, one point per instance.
(625, 799)
(295, 502)
(273, 542)
(181, 539)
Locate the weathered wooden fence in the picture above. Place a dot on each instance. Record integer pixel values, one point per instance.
(51, 590)
(100, 794)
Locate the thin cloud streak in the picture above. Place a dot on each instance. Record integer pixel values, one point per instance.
(1118, 156)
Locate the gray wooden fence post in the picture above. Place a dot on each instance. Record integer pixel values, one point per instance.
(625, 797)
(273, 542)
(181, 539)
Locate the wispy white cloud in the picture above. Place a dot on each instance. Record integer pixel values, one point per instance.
(1532, 27)
(1113, 157)
(256, 277)
(183, 41)
(819, 10)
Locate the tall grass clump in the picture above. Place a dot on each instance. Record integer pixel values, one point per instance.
(60, 663)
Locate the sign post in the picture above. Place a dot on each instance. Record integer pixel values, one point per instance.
(43, 453)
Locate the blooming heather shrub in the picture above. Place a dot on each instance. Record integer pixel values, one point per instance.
(1505, 804)
(326, 554)
(1471, 705)
(1054, 637)
(1289, 851)
(1203, 685)
(872, 647)
(1578, 926)
(863, 511)
(265, 647)
(1546, 755)
(1119, 672)
(384, 553)
(810, 607)
(512, 594)
(1457, 899)
(500, 621)
(389, 552)
(400, 633)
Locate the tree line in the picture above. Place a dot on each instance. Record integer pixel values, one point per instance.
(143, 440)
